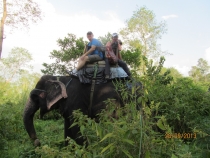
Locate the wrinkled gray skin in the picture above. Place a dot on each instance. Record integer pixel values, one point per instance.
(78, 98)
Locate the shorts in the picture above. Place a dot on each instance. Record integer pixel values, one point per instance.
(93, 58)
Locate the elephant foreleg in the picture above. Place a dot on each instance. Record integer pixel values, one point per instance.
(67, 130)
(73, 132)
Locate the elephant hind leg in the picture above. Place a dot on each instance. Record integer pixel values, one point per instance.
(67, 131)
(111, 109)
(73, 132)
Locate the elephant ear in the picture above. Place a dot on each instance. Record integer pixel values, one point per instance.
(55, 91)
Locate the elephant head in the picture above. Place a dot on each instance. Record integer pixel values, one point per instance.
(48, 91)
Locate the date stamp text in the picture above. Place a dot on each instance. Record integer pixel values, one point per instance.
(180, 135)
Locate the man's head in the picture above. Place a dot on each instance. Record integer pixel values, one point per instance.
(114, 36)
(89, 35)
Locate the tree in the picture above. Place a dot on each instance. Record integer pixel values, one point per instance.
(195, 73)
(15, 64)
(142, 32)
(71, 48)
(200, 72)
(106, 38)
(17, 14)
(203, 66)
(132, 57)
(173, 72)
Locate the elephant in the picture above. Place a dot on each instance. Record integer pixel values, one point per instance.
(67, 94)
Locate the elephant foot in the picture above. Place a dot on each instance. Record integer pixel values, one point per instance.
(37, 143)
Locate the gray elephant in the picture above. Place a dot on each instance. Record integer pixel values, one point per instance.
(67, 94)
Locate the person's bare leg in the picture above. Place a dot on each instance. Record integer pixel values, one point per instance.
(81, 63)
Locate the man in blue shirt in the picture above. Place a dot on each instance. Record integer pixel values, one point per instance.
(91, 52)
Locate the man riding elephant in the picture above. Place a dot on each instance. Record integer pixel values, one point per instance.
(91, 52)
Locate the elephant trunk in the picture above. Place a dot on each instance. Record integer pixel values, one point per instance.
(29, 111)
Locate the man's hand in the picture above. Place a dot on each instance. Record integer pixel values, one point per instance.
(82, 57)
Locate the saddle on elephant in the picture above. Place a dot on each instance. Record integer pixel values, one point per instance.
(96, 71)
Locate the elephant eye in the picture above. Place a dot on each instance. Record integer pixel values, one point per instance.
(56, 86)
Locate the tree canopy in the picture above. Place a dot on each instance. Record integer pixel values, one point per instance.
(200, 72)
(71, 48)
(142, 31)
(106, 38)
(15, 64)
(17, 14)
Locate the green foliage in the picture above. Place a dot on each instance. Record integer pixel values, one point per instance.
(15, 74)
(71, 48)
(21, 13)
(132, 57)
(184, 104)
(71, 151)
(201, 71)
(13, 66)
(106, 38)
(13, 96)
(153, 72)
(203, 66)
(173, 72)
(15, 85)
(142, 32)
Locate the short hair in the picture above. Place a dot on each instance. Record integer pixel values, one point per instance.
(89, 33)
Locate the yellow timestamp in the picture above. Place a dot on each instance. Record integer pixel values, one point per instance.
(180, 135)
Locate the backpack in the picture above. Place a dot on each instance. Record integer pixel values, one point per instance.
(108, 53)
(111, 57)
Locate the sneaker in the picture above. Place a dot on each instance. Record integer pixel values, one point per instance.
(74, 72)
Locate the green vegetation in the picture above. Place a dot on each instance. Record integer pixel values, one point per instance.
(71, 48)
(142, 31)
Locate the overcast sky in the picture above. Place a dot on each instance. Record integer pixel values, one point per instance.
(187, 38)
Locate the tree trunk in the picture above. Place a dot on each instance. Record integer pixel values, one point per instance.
(2, 25)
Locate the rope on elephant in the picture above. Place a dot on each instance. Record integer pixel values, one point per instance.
(68, 82)
(92, 88)
(95, 70)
